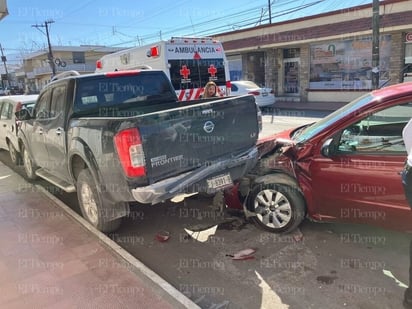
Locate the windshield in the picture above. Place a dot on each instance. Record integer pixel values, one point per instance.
(309, 131)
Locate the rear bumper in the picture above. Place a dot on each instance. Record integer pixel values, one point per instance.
(196, 180)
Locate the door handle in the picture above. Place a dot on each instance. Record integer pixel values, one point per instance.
(40, 131)
(59, 131)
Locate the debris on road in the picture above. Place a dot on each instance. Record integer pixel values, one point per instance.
(202, 235)
(245, 254)
(163, 236)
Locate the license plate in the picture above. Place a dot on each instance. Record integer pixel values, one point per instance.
(219, 181)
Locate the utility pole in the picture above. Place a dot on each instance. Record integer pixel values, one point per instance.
(375, 44)
(270, 12)
(50, 54)
(3, 58)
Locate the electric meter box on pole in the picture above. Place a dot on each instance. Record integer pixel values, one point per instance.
(188, 62)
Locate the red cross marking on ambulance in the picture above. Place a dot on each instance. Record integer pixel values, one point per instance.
(185, 72)
(212, 70)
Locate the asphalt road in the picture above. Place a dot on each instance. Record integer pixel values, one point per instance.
(320, 266)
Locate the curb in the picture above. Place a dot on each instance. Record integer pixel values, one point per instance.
(120, 252)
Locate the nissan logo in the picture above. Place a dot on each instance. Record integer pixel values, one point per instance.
(208, 126)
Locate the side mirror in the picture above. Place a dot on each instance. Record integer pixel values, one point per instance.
(23, 114)
(326, 148)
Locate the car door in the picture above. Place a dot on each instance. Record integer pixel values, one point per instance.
(360, 181)
(35, 133)
(54, 133)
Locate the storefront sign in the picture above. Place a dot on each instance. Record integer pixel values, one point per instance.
(347, 64)
(408, 37)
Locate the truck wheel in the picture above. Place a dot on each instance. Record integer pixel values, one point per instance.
(279, 208)
(29, 167)
(14, 155)
(91, 204)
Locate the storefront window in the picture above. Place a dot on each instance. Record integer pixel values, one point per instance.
(235, 67)
(348, 64)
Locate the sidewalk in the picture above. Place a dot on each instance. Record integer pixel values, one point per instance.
(309, 106)
(51, 258)
(304, 109)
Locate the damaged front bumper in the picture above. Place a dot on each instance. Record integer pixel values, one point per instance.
(198, 180)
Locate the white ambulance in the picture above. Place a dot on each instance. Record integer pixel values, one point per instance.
(189, 63)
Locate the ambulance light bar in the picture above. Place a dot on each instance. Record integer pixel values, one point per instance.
(154, 51)
(192, 40)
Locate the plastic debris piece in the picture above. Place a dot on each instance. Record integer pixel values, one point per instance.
(181, 197)
(245, 254)
(163, 236)
(202, 235)
(390, 275)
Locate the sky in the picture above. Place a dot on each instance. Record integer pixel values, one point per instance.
(125, 23)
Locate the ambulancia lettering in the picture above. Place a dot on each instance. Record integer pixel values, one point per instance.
(193, 49)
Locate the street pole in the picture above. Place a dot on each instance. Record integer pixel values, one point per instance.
(50, 54)
(270, 12)
(3, 58)
(51, 58)
(375, 44)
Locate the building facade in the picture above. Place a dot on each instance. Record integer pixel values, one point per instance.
(37, 70)
(326, 57)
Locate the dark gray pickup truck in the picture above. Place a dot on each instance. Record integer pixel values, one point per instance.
(123, 137)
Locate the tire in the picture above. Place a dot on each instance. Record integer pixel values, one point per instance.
(28, 164)
(279, 208)
(91, 204)
(14, 155)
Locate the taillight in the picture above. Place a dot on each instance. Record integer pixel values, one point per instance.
(130, 151)
(228, 87)
(254, 92)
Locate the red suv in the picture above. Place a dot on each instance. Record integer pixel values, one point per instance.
(345, 167)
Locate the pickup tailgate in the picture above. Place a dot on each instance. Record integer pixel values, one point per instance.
(178, 140)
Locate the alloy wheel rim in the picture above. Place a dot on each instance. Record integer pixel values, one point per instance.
(272, 208)
(89, 203)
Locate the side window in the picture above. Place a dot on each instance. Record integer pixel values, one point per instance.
(58, 101)
(6, 111)
(43, 106)
(380, 132)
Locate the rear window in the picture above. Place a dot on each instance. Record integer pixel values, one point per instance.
(195, 73)
(119, 90)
